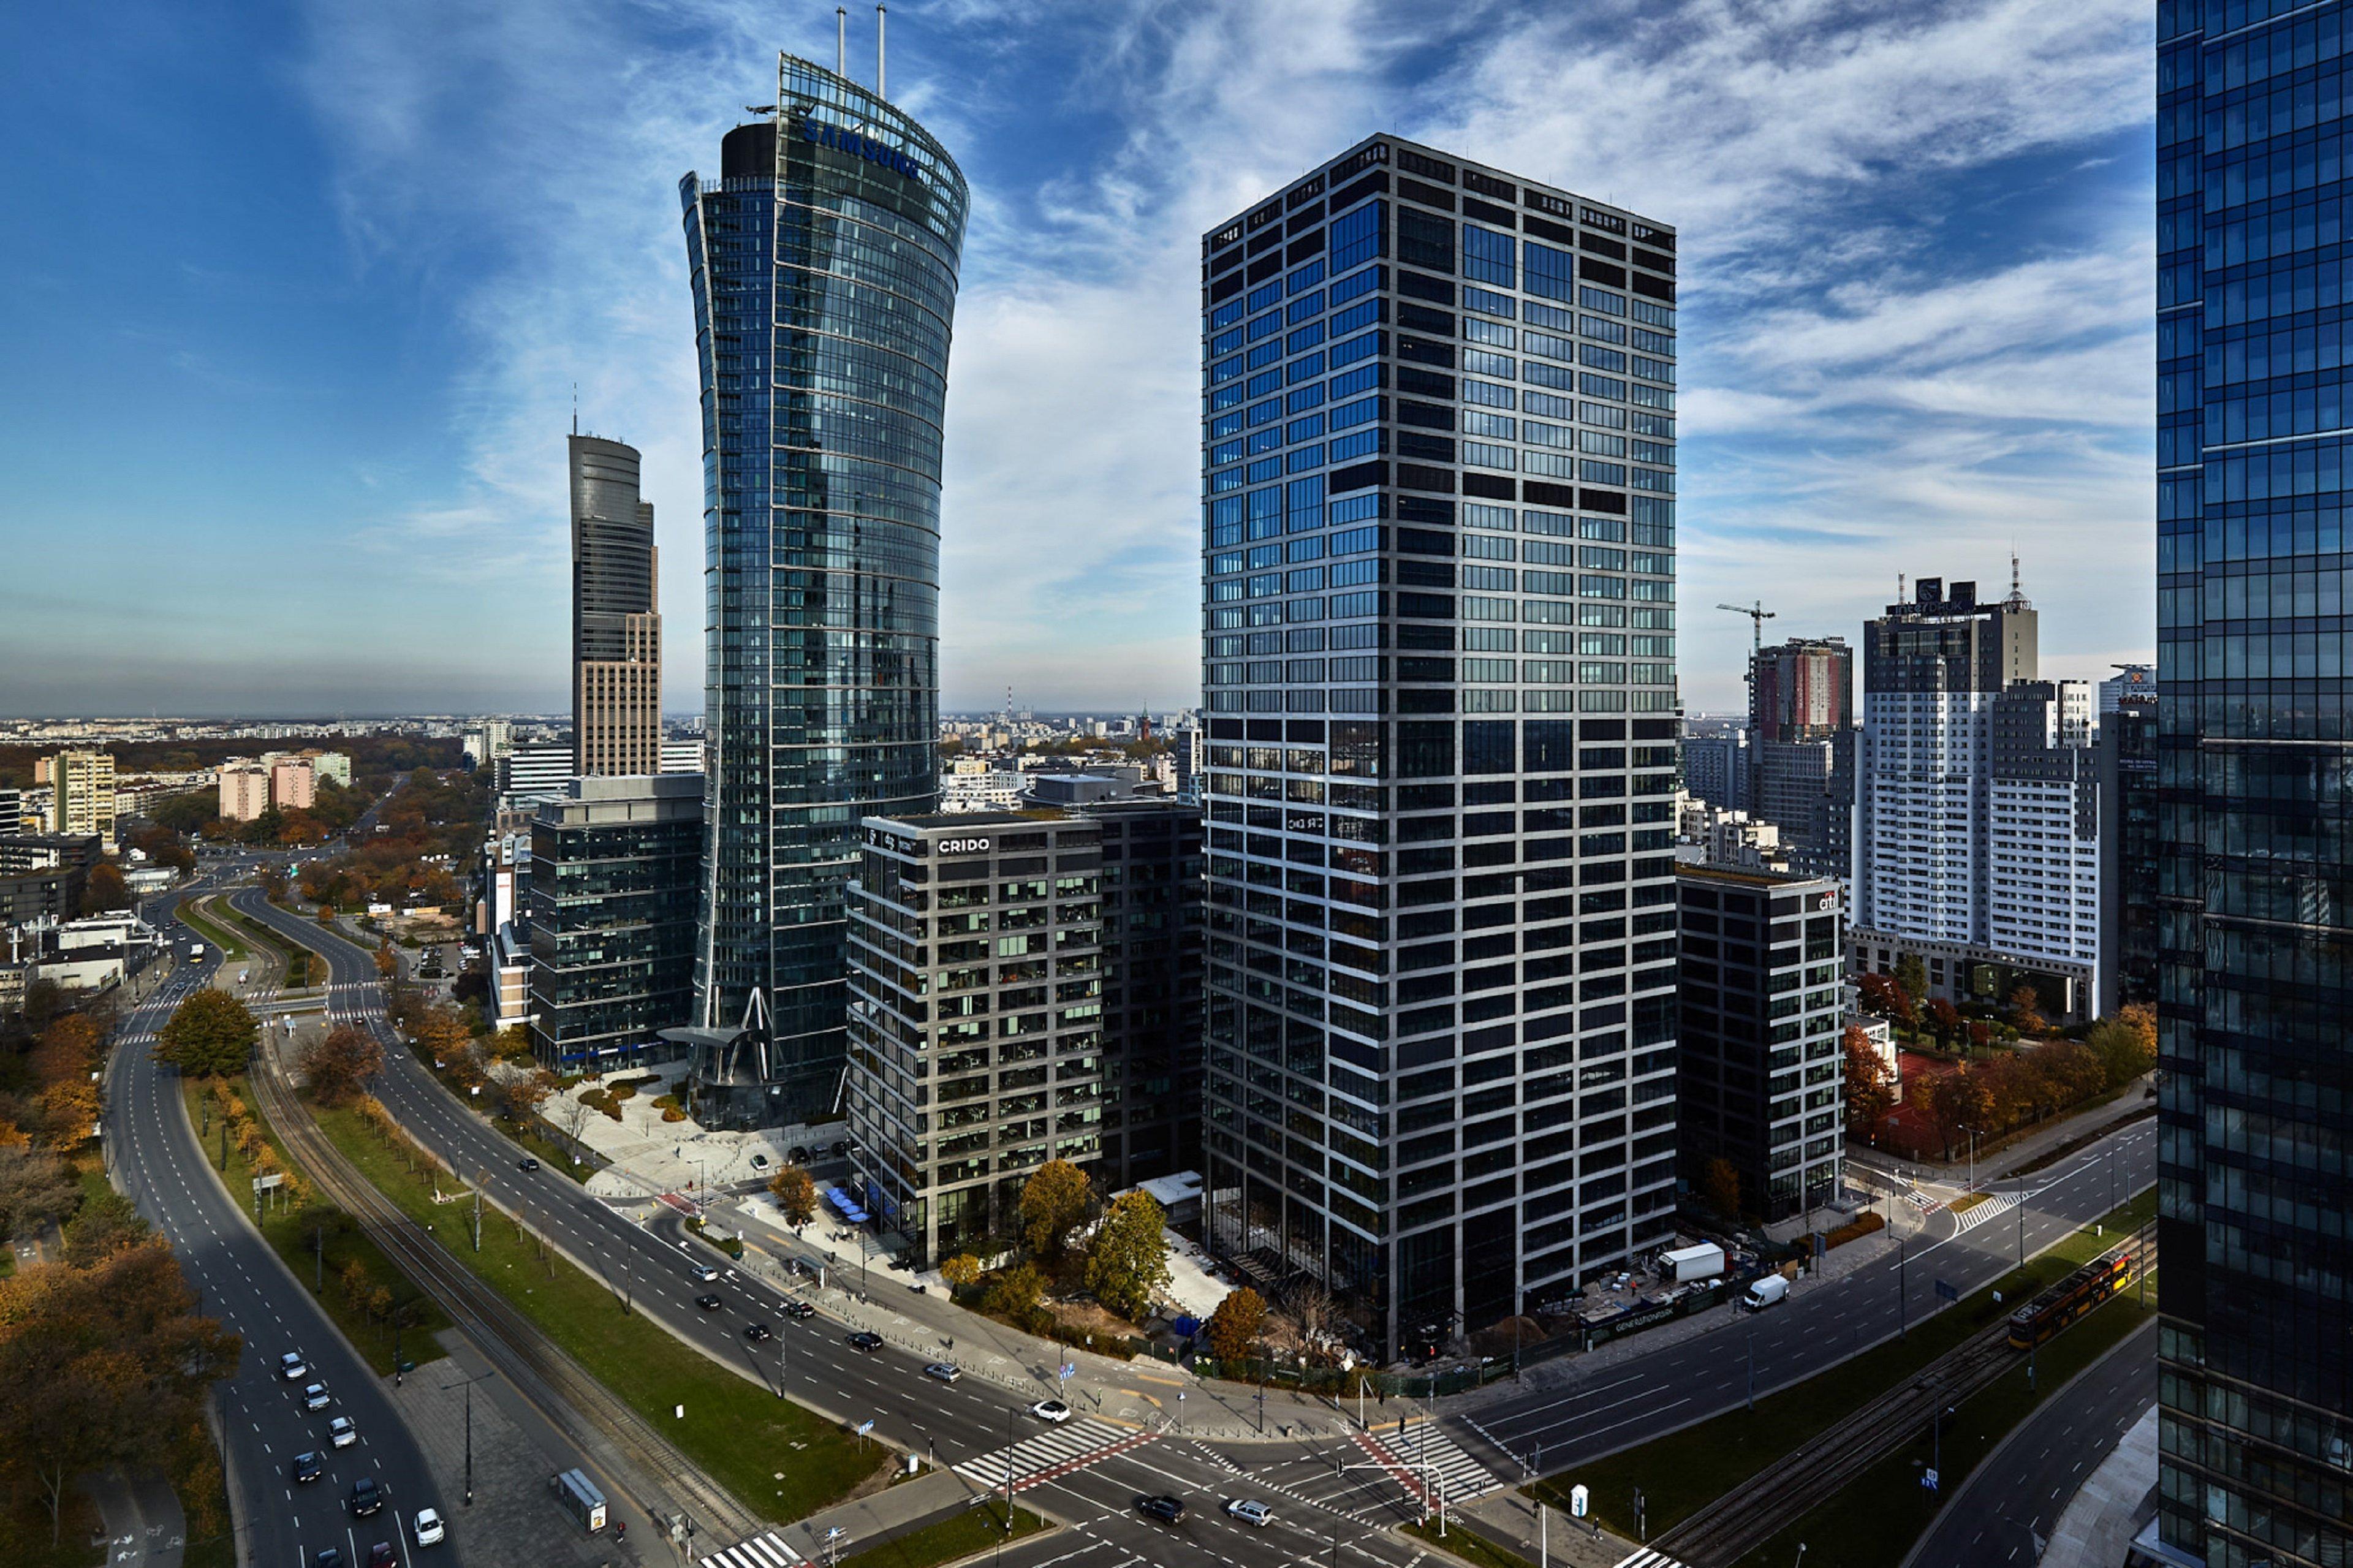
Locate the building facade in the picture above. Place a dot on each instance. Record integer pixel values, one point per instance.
(243, 791)
(1802, 689)
(293, 783)
(615, 614)
(1716, 769)
(615, 867)
(1152, 946)
(1761, 1080)
(2127, 749)
(84, 782)
(2254, 790)
(2042, 838)
(823, 264)
(1439, 682)
(976, 1021)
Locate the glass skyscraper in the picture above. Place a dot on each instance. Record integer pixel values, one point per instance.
(1437, 442)
(824, 263)
(2255, 783)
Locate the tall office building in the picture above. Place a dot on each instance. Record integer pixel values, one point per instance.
(823, 262)
(1440, 681)
(1801, 749)
(1152, 988)
(616, 614)
(2127, 749)
(2254, 889)
(1802, 689)
(84, 782)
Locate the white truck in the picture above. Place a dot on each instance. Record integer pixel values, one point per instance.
(1684, 1264)
(1765, 1292)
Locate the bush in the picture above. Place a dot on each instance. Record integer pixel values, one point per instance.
(666, 1102)
(672, 1114)
(622, 1090)
(1854, 1230)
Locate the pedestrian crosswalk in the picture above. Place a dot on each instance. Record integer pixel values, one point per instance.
(1647, 1558)
(1051, 1454)
(764, 1551)
(1424, 1448)
(1975, 1214)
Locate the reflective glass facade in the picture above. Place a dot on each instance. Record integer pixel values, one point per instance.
(824, 263)
(2254, 783)
(1438, 567)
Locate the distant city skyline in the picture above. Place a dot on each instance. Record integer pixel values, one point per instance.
(1922, 311)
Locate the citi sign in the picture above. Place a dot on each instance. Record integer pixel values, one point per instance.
(866, 147)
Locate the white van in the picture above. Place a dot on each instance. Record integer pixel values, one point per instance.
(1762, 1293)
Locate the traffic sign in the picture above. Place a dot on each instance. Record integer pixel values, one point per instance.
(1067, 1371)
(1928, 1478)
(1946, 1291)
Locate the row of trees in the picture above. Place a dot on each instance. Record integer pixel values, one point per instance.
(435, 817)
(49, 1099)
(2015, 1090)
(1123, 1257)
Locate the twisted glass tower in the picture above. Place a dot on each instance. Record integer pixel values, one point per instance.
(823, 262)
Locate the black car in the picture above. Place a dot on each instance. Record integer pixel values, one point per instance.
(797, 1155)
(527, 1164)
(1167, 1509)
(758, 1333)
(327, 1557)
(798, 1307)
(710, 1303)
(309, 1466)
(841, 1148)
(367, 1498)
(862, 1341)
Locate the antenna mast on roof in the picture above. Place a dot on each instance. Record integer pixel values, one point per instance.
(841, 40)
(881, 15)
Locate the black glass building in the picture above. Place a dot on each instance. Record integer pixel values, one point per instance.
(2254, 784)
(823, 263)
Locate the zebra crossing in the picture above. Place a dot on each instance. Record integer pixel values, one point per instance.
(1051, 1455)
(1975, 1214)
(1426, 1446)
(764, 1551)
(1647, 1558)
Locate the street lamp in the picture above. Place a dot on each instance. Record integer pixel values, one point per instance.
(468, 1384)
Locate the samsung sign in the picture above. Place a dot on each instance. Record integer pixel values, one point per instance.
(866, 147)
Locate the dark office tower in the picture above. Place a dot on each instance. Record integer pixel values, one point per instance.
(1802, 690)
(1152, 991)
(616, 623)
(1440, 681)
(2255, 787)
(2128, 844)
(823, 262)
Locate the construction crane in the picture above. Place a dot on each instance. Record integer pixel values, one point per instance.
(1757, 615)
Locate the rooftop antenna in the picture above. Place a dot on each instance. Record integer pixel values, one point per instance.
(881, 15)
(841, 40)
(575, 408)
(1899, 587)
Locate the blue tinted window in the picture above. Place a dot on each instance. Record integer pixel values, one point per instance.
(1304, 458)
(1226, 314)
(1357, 235)
(1262, 326)
(1551, 273)
(1304, 397)
(1355, 348)
(1355, 316)
(1363, 444)
(1305, 429)
(1306, 305)
(1356, 381)
(1487, 302)
(1356, 412)
(1487, 255)
(1260, 299)
(1305, 338)
(1305, 276)
(1364, 282)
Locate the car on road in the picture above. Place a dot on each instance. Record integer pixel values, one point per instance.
(1053, 1410)
(797, 1154)
(704, 1272)
(1250, 1511)
(366, 1498)
(329, 1557)
(758, 1333)
(315, 1396)
(291, 1365)
(309, 1466)
(526, 1163)
(759, 1161)
(381, 1555)
(708, 1301)
(428, 1528)
(796, 1308)
(862, 1341)
(340, 1433)
(945, 1370)
(1164, 1507)
(841, 1149)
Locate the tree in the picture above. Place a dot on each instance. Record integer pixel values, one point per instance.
(1968, 1104)
(1719, 1188)
(105, 891)
(339, 1066)
(1056, 1197)
(1912, 976)
(2126, 1043)
(442, 1033)
(520, 1094)
(1944, 1019)
(963, 1271)
(209, 1035)
(511, 1044)
(1014, 1293)
(103, 1225)
(1236, 1325)
(2026, 1011)
(796, 1197)
(1883, 998)
(1980, 1035)
(69, 1047)
(1869, 1095)
(1129, 1260)
(69, 1110)
(388, 962)
(36, 1192)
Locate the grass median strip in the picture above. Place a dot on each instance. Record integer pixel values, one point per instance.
(1874, 1520)
(780, 1460)
(1469, 1546)
(192, 911)
(1684, 1471)
(363, 1288)
(951, 1540)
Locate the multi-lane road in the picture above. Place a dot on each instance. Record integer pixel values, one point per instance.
(1334, 1495)
(154, 1153)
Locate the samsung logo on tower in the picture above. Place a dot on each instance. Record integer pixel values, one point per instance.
(866, 147)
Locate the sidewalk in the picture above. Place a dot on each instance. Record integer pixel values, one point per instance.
(141, 1515)
(2109, 1507)
(1998, 1163)
(1509, 1518)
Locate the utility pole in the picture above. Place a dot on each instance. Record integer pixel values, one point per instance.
(2022, 1222)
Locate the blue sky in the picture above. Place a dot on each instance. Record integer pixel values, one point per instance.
(297, 294)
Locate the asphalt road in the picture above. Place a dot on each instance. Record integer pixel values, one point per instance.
(151, 1146)
(2005, 1512)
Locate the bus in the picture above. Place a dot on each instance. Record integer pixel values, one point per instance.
(2042, 1318)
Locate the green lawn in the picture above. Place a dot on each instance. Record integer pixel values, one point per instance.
(209, 929)
(973, 1530)
(1684, 1471)
(781, 1461)
(1468, 1545)
(295, 1241)
(1875, 1520)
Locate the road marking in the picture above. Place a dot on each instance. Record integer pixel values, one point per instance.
(1050, 1455)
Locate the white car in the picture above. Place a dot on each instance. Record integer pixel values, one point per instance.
(315, 1396)
(290, 1366)
(428, 1528)
(1053, 1410)
(1250, 1511)
(340, 1433)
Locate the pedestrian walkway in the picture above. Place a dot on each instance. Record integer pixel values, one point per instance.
(1647, 1558)
(766, 1549)
(1051, 1455)
(1975, 1214)
(1424, 1448)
